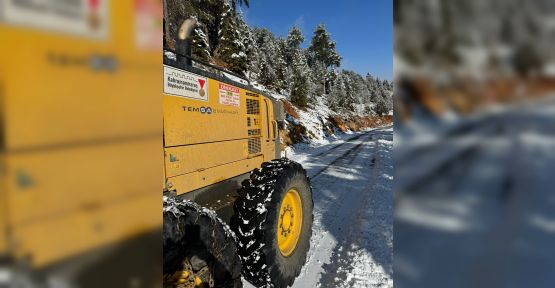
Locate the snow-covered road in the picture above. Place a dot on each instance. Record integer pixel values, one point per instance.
(352, 241)
(485, 215)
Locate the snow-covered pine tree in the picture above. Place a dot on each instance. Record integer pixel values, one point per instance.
(300, 85)
(388, 96)
(230, 52)
(271, 63)
(282, 73)
(209, 14)
(323, 54)
(334, 59)
(337, 95)
(214, 11)
(200, 44)
(382, 95)
(236, 3)
(318, 74)
(294, 40)
(251, 48)
(323, 48)
(381, 105)
(358, 90)
(351, 91)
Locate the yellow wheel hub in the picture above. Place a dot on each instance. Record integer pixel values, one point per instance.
(290, 222)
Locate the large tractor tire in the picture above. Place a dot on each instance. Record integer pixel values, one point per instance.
(199, 248)
(273, 223)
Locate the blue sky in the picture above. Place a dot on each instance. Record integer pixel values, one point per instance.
(363, 29)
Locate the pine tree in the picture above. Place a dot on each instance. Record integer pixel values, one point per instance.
(295, 38)
(264, 63)
(230, 52)
(334, 59)
(300, 88)
(280, 63)
(236, 3)
(209, 15)
(323, 56)
(381, 105)
(319, 76)
(247, 38)
(200, 45)
(271, 65)
(336, 99)
(324, 49)
(298, 69)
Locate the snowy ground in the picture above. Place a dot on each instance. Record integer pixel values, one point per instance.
(476, 208)
(352, 241)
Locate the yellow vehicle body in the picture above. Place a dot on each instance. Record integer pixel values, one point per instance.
(80, 130)
(81, 138)
(207, 141)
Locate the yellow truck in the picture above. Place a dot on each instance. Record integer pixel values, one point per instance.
(222, 152)
(80, 139)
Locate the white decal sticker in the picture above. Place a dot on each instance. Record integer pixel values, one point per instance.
(181, 83)
(229, 95)
(87, 18)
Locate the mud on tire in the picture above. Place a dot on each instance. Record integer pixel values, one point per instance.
(255, 223)
(197, 234)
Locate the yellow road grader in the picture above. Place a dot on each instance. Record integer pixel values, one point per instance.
(222, 151)
(81, 100)
(80, 143)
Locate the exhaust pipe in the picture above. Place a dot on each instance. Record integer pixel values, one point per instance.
(183, 41)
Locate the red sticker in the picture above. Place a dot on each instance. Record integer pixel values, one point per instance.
(93, 4)
(201, 82)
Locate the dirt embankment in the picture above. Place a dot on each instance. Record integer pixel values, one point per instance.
(296, 132)
(357, 123)
(466, 96)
